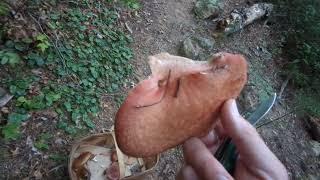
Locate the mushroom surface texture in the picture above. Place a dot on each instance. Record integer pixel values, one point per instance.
(181, 99)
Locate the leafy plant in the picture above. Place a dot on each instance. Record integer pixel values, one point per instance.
(42, 141)
(302, 47)
(42, 42)
(4, 8)
(90, 58)
(58, 158)
(11, 130)
(132, 4)
(9, 57)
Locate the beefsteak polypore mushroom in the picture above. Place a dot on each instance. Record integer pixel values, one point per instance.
(181, 99)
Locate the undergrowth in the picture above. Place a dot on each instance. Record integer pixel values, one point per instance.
(76, 54)
(302, 47)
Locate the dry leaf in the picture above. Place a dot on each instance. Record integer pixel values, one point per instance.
(78, 163)
(15, 152)
(95, 150)
(37, 174)
(113, 172)
(97, 167)
(114, 157)
(131, 160)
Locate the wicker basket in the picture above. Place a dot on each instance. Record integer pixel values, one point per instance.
(107, 140)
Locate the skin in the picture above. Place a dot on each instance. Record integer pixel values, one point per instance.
(255, 160)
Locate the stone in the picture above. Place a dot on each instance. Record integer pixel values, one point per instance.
(4, 97)
(207, 8)
(240, 18)
(196, 48)
(315, 147)
(313, 125)
(5, 110)
(60, 141)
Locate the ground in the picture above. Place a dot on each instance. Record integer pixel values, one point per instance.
(161, 26)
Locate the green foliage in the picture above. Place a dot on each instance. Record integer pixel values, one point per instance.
(58, 158)
(4, 8)
(42, 141)
(303, 49)
(42, 42)
(9, 57)
(132, 4)
(19, 86)
(11, 130)
(89, 58)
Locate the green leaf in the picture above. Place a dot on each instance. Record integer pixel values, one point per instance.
(10, 57)
(27, 40)
(17, 118)
(81, 36)
(41, 37)
(4, 60)
(21, 46)
(42, 46)
(68, 106)
(11, 131)
(41, 145)
(52, 97)
(41, 142)
(35, 57)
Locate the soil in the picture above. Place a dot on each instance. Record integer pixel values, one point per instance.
(161, 26)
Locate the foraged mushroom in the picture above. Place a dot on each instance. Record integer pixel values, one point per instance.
(181, 99)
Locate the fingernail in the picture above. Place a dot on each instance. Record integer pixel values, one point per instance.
(234, 109)
(221, 177)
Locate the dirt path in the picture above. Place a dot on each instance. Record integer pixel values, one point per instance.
(162, 25)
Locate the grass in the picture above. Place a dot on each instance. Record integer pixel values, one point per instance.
(75, 56)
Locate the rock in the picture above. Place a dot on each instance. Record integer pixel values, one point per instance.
(313, 177)
(207, 8)
(315, 147)
(313, 125)
(4, 97)
(196, 47)
(240, 18)
(5, 110)
(189, 49)
(60, 141)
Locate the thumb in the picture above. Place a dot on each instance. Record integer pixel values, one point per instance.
(254, 153)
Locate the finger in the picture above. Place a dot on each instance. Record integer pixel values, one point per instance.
(187, 173)
(205, 165)
(252, 149)
(212, 141)
(219, 130)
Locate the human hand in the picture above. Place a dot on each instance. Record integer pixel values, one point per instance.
(255, 160)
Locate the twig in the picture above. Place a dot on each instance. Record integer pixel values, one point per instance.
(283, 86)
(55, 168)
(273, 120)
(54, 45)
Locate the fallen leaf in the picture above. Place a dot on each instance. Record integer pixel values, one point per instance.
(130, 160)
(97, 167)
(15, 151)
(113, 172)
(37, 174)
(114, 157)
(79, 162)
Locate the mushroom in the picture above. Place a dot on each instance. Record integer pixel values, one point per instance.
(181, 99)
